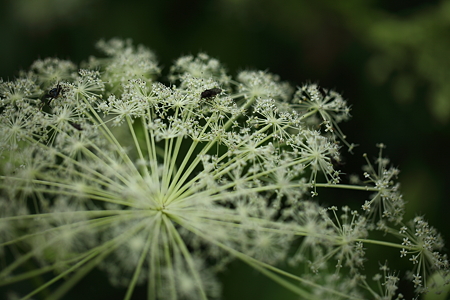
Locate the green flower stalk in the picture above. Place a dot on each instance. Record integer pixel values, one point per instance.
(163, 184)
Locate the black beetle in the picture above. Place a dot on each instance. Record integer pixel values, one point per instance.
(76, 126)
(52, 94)
(211, 93)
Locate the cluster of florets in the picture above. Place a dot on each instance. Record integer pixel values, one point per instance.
(105, 166)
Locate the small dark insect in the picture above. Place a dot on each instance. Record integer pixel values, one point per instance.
(323, 92)
(76, 126)
(211, 93)
(52, 94)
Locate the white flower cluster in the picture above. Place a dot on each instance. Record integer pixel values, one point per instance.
(164, 185)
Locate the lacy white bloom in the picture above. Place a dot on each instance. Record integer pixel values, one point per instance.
(163, 185)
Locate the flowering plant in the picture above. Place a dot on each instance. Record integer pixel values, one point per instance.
(165, 184)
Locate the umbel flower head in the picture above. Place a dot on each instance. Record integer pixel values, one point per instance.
(163, 184)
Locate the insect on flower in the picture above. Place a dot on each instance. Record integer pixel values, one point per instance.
(52, 94)
(211, 93)
(76, 126)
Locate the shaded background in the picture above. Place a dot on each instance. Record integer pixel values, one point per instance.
(390, 59)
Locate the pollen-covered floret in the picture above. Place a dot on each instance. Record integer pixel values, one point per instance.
(201, 66)
(422, 245)
(47, 71)
(327, 104)
(124, 62)
(264, 85)
(387, 202)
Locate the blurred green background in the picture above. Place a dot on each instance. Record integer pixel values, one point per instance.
(390, 59)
